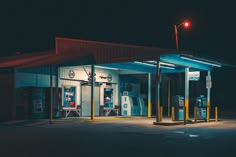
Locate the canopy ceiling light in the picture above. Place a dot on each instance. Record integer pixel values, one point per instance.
(161, 66)
(200, 61)
(154, 64)
(162, 63)
(168, 64)
(104, 67)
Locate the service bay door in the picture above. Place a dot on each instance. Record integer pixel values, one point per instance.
(86, 100)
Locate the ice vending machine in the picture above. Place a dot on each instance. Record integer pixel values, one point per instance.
(126, 102)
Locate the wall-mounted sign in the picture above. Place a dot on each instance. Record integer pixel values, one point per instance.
(108, 77)
(194, 76)
(71, 74)
(208, 82)
(90, 77)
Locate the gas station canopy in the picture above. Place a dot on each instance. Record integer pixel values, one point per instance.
(169, 63)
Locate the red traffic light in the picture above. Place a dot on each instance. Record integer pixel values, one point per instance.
(186, 24)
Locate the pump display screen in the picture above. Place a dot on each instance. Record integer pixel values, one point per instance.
(181, 102)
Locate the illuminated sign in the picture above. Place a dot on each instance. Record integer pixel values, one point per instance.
(108, 77)
(71, 74)
(208, 82)
(194, 76)
(90, 77)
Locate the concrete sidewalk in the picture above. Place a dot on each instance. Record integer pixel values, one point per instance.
(111, 119)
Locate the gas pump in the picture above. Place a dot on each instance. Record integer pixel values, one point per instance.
(201, 104)
(179, 107)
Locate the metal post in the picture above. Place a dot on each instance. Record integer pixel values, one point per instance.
(13, 100)
(92, 92)
(208, 98)
(184, 115)
(149, 96)
(51, 96)
(186, 104)
(216, 113)
(161, 113)
(158, 92)
(159, 100)
(57, 115)
(195, 114)
(173, 113)
(168, 98)
(176, 37)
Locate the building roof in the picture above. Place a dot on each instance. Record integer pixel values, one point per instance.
(105, 52)
(74, 52)
(77, 52)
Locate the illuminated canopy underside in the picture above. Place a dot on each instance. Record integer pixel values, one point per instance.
(177, 63)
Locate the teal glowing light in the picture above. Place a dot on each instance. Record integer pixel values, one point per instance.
(154, 65)
(199, 61)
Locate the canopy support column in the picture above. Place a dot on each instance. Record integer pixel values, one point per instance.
(149, 95)
(51, 96)
(158, 107)
(186, 103)
(208, 97)
(92, 92)
(168, 98)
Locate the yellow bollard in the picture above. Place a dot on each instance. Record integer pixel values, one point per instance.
(173, 113)
(208, 113)
(161, 113)
(185, 115)
(149, 109)
(195, 114)
(216, 113)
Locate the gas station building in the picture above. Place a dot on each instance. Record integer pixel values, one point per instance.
(89, 79)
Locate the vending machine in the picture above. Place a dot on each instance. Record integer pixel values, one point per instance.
(201, 105)
(132, 105)
(126, 102)
(40, 102)
(179, 107)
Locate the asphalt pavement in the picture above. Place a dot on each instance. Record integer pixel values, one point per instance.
(116, 137)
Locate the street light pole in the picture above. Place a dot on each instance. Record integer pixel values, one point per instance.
(186, 24)
(176, 38)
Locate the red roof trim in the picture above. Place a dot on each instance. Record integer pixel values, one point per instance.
(111, 44)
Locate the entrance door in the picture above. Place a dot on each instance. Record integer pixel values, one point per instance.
(86, 101)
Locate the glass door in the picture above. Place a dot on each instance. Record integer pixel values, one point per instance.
(108, 97)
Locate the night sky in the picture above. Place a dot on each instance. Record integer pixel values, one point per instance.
(32, 26)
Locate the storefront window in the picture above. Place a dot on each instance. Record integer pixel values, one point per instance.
(69, 96)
